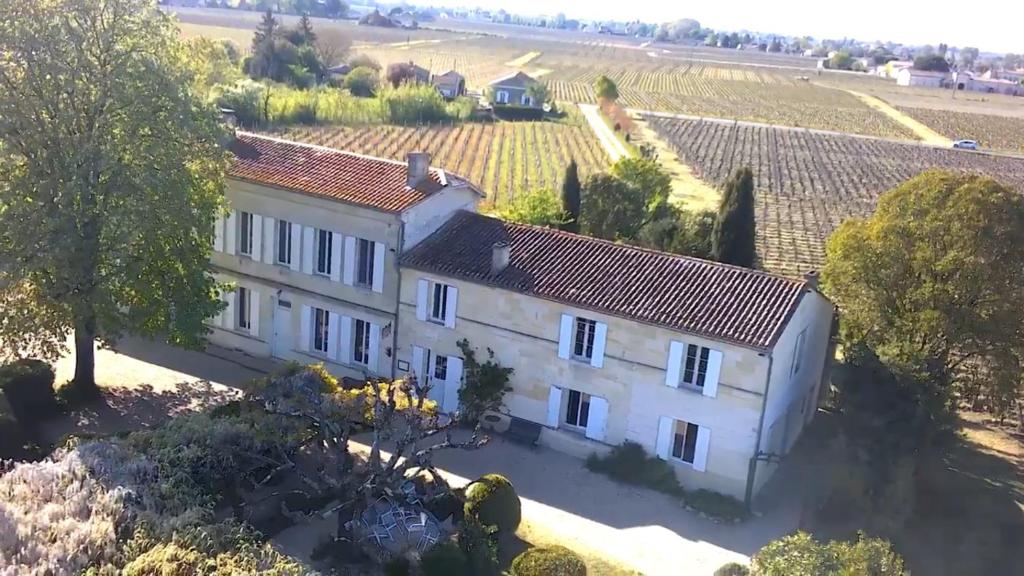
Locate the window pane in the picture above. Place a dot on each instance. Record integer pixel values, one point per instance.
(361, 350)
(581, 337)
(441, 368)
(591, 329)
(284, 242)
(243, 307)
(691, 364)
(573, 411)
(244, 232)
(702, 366)
(690, 446)
(364, 262)
(677, 444)
(584, 410)
(320, 327)
(323, 254)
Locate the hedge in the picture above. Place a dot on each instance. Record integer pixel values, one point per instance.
(493, 501)
(548, 560)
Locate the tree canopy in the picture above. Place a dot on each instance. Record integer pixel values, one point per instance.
(111, 176)
(617, 205)
(571, 198)
(931, 62)
(733, 238)
(605, 89)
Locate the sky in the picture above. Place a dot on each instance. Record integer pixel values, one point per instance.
(990, 26)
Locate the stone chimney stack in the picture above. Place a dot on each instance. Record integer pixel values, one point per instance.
(418, 168)
(812, 279)
(500, 254)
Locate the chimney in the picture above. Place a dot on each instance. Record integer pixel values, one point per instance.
(812, 279)
(500, 254)
(418, 167)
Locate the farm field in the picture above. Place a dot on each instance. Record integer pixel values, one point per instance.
(995, 132)
(928, 98)
(807, 182)
(503, 158)
(480, 60)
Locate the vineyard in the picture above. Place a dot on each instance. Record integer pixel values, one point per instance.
(807, 183)
(479, 60)
(503, 158)
(996, 132)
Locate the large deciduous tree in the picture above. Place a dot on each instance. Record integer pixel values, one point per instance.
(605, 89)
(616, 206)
(935, 278)
(732, 240)
(111, 176)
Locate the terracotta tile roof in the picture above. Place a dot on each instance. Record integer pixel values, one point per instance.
(728, 303)
(344, 176)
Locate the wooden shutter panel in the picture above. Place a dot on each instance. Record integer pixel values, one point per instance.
(675, 363)
(296, 255)
(336, 242)
(453, 303)
(333, 320)
(230, 232)
(565, 336)
(597, 418)
(379, 251)
(417, 365)
(307, 249)
(254, 313)
(305, 328)
(664, 442)
(421, 299)
(452, 384)
(700, 453)
(350, 260)
(269, 237)
(554, 406)
(374, 354)
(600, 334)
(712, 374)
(345, 340)
(218, 234)
(229, 313)
(256, 232)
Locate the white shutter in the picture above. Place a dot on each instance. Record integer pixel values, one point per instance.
(436, 392)
(307, 249)
(675, 363)
(218, 234)
(350, 260)
(600, 334)
(597, 418)
(453, 303)
(379, 250)
(305, 328)
(336, 240)
(230, 232)
(417, 365)
(296, 256)
(256, 231)
(332, 335)
(700, 453)
(452, 384)
(229, 312)
(554, 406)
(711, 375)
(374, 355)
(421, 299)
(664, 442)
(565, 336)
(345, 340)
(254, 313)
(269, 236)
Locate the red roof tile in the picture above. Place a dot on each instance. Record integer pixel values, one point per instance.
(722, 302)
(343, 176)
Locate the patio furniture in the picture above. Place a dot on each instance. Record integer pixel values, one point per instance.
(523, 431)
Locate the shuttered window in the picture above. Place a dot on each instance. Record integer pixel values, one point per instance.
(321, 328)
(361, 345)
(245, 233)
(364, 263)
(684, 441)
(283, 254)
(324, 245)
(583, 342)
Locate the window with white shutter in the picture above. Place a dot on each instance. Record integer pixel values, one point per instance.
(245, 233)
(361, 342)
(243, 312)
(365, 250)
(283, 252)
(321, 330)
(324, 244)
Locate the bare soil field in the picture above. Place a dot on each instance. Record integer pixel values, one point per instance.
(808, 182)
(929, 98)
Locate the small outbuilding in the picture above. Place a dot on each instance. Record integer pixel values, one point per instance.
(450, 84)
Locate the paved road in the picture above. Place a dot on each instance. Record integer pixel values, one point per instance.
(611, 144)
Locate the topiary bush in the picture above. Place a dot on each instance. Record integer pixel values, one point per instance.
(479, 544)
(732, 569)
(493, 501)
(445, 559)
(548, 560)
(28, 386)
(630, 464)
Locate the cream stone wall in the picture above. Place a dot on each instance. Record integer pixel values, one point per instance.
(425, 218)
(523, 331)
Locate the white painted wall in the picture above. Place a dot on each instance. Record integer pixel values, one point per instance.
(425, 218)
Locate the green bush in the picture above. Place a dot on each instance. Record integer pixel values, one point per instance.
(398, 567)
(445, 559)
(716, 505)
(732, 569)
(28, 386)
(479, 544)
(548, 560)
(630, 464)
(493, 501)
(800, 554)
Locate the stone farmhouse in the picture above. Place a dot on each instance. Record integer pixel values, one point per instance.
(378, 268)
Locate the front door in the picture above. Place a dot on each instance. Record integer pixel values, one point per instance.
(444, 374)
(281, 342)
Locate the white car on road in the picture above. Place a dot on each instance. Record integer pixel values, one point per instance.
(965, 145)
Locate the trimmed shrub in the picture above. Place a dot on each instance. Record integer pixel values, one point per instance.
(630, 464)
(493, 501)
(732, 569)
(28, 386)
(716, 505)
(548, 560)
(445, 559)
(479, 544)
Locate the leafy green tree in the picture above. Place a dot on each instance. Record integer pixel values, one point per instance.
(362, 82)
(617, 205)
(605, 89)
(539, 208)
(539, 92)
(841, 60)
(733, 238)
(935, 278)
(931, 62)
(968, 56)
(111, 176)
(263, 62)
(571, 198)
(213, 62)
(799, 554)
(681, 232)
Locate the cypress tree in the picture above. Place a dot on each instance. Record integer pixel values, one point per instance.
(571, 198)
(732, 239)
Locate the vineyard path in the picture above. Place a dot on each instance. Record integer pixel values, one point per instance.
(609, 142)
(688, 191)
(923, 132)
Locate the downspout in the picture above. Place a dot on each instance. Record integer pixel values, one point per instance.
(398, 298)
(752, 467)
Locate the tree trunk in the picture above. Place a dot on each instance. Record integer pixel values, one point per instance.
(85, 356)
